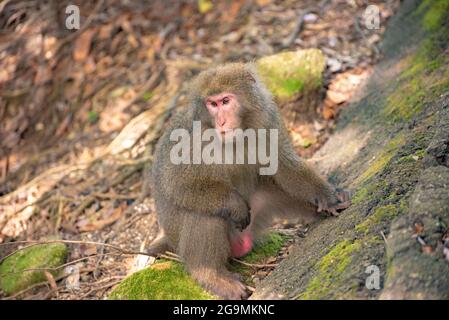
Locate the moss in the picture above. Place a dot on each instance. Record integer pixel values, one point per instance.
(383, 159)
(168, 280)
(426, 74)
(289, 73)
(369, 192)
(13, 278)
(435, 12)
(330, 269)
(164, 280)
(147, 95)
(381, 214)
(419, 154)
(269, 246)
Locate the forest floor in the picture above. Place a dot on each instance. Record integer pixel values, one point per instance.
(71, 167)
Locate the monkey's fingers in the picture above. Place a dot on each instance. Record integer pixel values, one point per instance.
(240, 223)
(320, 206)
(333, 211)
(343, 205)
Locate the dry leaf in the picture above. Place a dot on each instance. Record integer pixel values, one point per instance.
(82, 45)
(51, 280)
(427, 249)
(113, 214)
(204, 5)
(419, 227)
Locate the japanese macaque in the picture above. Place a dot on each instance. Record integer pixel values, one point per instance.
(208, 213)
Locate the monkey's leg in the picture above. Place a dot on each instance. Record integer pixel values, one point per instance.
(159, 245)
(204, 247)
(270, 202)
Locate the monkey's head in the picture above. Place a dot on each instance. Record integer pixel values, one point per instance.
(230, 97)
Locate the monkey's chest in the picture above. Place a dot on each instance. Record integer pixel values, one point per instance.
(244, 180)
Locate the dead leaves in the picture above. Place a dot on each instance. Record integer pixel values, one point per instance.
(93, 221)
(82, 45)
(419, 233)
(341, 89)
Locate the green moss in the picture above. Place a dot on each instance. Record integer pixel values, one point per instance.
(383, 159)
(426, 74)
(289, 73)
(13, 278)
(269, 246)
(92, 116)
(381, 214)
(330, 269)
(168, 280)
(419, 154)
(147, 95)
(435, 12)
(164, 280)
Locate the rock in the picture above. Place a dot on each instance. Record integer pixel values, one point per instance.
(12, 279)
(289, 73)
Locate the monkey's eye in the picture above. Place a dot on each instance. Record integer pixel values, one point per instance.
(225, 100)
(213, 103)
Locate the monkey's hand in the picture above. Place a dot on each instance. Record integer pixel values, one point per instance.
(236, 211)
(338, 201)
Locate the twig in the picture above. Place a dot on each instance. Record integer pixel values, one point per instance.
(35, 243)
(149, 85)
(114, 196)
(62, 265)
(164, 256)
(254, 265)
(383, 236)
(298, 27)
(42, 283)
(33, 287)
(106, 286)
(89, 20)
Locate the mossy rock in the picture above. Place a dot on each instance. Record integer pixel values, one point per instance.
(330, 269)
(167, 280)
(290, 73)
(13, 278)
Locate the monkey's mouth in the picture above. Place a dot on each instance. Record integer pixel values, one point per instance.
(225, 132)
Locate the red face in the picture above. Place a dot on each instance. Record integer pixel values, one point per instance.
(224, 109)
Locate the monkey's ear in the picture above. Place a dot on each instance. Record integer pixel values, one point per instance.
(251, 73)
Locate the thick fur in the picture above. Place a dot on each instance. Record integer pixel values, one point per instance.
(200, 207)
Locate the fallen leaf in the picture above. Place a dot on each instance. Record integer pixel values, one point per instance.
(419, 227)
(204, 5)
(51, 280)
(427, 249)
(112, 215)
(82, 45)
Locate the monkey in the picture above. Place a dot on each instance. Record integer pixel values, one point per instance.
(208, 213)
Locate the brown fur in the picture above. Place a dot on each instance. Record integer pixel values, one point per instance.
(200, 206)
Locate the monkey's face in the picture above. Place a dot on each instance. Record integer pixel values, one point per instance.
(224, 109)
(227, 98)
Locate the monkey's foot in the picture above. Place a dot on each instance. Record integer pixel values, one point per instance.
(223, 284)
(230, 288)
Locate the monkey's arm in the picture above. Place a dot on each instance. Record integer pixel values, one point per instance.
(300, 181)
(213, 198)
